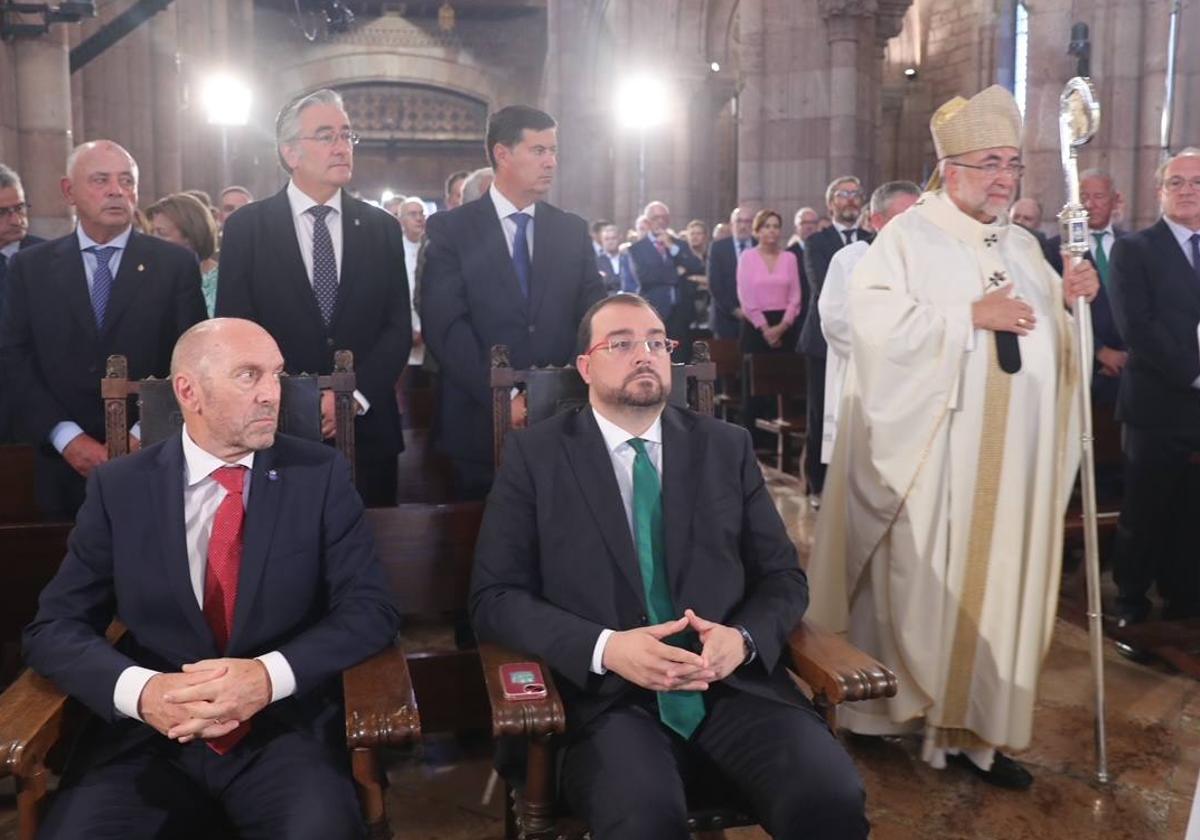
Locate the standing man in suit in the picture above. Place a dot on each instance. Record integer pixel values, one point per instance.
(663, 263)
(507, 269)
(1027, 212)
(844, 198)
(241, 565)
(1155, 286)
(661, 592)
(616, 272)
(14, 235)
(411, 213)
(804, 224)
(723, 256)
(72, 303)
(1099, 197)
(231, 199)
(454, 188)
(323, 271)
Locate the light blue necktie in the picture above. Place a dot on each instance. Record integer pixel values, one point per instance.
(520, 253)
(102, 281)
(324, 270)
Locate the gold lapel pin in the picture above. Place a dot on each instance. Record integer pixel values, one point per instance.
(141, 267)
(356, 222)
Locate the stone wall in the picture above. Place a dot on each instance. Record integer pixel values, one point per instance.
(961, 46)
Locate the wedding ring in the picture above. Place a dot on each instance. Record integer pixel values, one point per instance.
(1020, 322)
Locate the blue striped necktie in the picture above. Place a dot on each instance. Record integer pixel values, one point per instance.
(102, 281)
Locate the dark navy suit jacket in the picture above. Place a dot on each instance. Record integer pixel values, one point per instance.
(722, 285)
(471, 300)
(659, 279)
(555, 562)
(310, 586)
(1156, 305)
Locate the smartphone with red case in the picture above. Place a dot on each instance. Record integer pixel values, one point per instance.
(522, 681)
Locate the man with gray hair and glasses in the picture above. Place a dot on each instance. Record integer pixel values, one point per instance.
(323, 271)
(14, 235)
(1155, 286)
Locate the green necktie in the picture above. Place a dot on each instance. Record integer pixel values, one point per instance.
(682, 711)
(1100, 257)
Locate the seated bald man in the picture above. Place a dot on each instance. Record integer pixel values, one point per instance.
(241, 565)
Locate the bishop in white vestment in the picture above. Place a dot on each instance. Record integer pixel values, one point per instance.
(939, 541)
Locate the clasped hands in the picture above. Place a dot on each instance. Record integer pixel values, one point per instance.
(207, 699)
(641, 656)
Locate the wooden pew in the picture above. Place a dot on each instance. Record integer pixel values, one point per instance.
(427, 551)
(726, 354)
(782, 377)
(17, 502)
(32, 553)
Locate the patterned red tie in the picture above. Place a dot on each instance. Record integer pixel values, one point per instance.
(221, 576)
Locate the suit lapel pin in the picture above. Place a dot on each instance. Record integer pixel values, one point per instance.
(141, 267)
(272, 475)
(356, 222)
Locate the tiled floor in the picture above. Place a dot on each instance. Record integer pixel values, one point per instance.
(1153, 742)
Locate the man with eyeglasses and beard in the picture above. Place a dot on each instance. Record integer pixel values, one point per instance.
(844, 198)
(633, 545)
(323, 271)
(939, 544)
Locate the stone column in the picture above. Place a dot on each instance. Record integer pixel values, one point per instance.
(168, 159)
(751, 123)
(44, 127)
(850, 25)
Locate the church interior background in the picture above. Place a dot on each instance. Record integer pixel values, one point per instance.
(762, 102)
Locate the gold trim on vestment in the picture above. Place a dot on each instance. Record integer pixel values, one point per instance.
(958, 739)
(998, 391)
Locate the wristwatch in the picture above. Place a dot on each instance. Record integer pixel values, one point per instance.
(748, 641)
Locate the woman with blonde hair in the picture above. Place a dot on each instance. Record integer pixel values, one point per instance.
(183, 219)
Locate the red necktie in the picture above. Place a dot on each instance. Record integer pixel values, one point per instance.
(662, 249)
(221, 575)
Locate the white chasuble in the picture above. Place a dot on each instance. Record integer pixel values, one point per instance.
(939, 542)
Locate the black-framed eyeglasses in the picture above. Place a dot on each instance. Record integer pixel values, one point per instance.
(993, 168)
(626, 346)
(21, 209)
(329, 138)
(1176, 184)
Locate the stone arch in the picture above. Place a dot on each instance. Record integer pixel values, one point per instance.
(348, 68)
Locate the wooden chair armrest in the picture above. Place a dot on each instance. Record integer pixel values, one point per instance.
(381, 709)
(33, 717)
(530, 718)
(836, 670)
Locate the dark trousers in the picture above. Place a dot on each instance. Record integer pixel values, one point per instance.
(58, 489)
(472, 480)
(1157, 534)
(814, 470)
(625, 773)
(752, 342)
(292, 786)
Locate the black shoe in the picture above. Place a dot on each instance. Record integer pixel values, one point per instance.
(1125, 616)
(1005, 772)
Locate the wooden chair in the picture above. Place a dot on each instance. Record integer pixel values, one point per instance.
(37, 720)
(726, 354)
(17, 502)
(834, 670)
(780, 376)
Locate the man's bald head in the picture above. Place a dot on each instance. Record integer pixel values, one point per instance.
(1027, 213)
(225, 373)
(101, 184)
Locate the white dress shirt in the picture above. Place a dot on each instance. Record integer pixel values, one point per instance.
(616, 440)
(1107, 241)
(304, 221)
(10, 250)
(841, 229)
(504, 209)
(1183, 236)
(202, 495)
(412, 251)
(66, 431)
